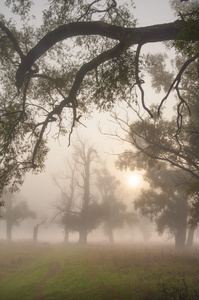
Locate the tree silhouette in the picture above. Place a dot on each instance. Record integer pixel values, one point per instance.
(115, 213)
(14, 213)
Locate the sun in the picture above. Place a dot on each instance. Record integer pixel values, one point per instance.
(133, 180)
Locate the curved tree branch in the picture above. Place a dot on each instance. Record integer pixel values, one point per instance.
(177, 80)
(139, 81)
(132, 36)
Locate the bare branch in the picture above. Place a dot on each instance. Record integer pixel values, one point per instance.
(139, 82)
(177, 80)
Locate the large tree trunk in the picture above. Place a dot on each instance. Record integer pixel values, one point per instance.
(180, 238)
(189, 243)
(181, 223)
(83, 236)
(110, 235)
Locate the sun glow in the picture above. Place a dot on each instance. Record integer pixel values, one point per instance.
(133, 180)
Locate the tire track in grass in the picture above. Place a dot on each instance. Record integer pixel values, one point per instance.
(53, 269)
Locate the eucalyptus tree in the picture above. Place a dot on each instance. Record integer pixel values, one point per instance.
(77, 210)
(14, 212)
(84, 156)
(115, 214)
(41, 222)
(81, 55)
(166, 202)
(65, 206)
(173, 139)
(171, 165)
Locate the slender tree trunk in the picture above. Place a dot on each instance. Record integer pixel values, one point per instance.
(189, 243)
(35, 233)
(66, 235)
(9, 230)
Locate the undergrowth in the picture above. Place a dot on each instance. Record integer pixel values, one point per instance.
(46, 271)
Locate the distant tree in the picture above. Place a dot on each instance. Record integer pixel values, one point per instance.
(77, 209)
(115, 213)
(153, 145)
(65, 206)
(88, 221)
(166, 202)
(14, 212)
(146, 227)
(36, 228)
(84, 155)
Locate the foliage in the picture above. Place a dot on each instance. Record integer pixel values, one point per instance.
(115, 213)
(23, 144)
(77, 209)
(173, 140)
(187, 40)
(165, 201)
(170, 166)
(80, 56)
(156, 141)
(75, 221)
(14, 212)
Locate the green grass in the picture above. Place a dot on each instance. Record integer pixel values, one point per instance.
(97, 272)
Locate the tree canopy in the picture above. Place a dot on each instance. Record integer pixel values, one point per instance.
(14, 212)
(83, 55)
(165, 202)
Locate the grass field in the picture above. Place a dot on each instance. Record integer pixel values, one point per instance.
(46, 271)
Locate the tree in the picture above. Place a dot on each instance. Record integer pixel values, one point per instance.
(115, 214)
(36, 229)
(157, 140)
(36, 90)
(174, 140)
(170, 170)
(152, 146)
(66, 204)
(14, 213)
(77, 209)
(84, 156)
(166, 202)
(193, 191)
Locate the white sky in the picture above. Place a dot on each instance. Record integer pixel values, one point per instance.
(153, 12)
